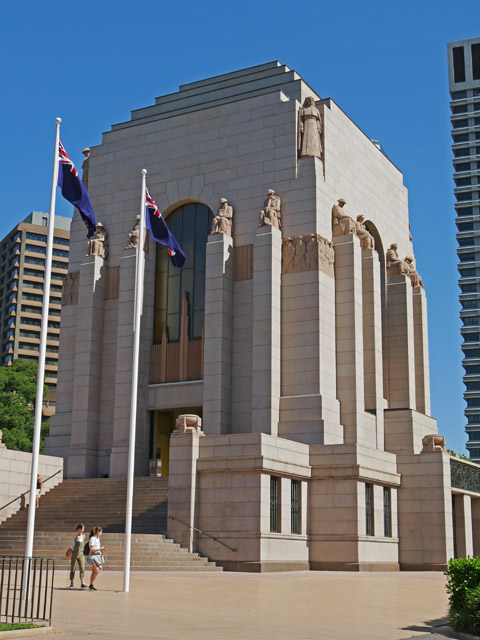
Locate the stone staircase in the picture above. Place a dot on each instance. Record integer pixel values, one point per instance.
(101, 502)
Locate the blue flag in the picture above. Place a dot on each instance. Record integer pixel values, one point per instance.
(161, 233)
(74, 190)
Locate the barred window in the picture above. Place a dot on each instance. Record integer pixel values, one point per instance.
(369, 523)
(274, 504)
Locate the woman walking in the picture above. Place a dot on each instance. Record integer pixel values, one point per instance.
(77, 556)
(95, 555)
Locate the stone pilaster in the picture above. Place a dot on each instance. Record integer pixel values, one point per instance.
(476, 525)
(400, 344)
(372, 340)
(123, 379)
(82, 459)
(422, 366)
(217, 359)
(349, 335)
(463, 525)
(267, 264)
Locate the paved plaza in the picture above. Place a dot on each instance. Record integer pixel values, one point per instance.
(217, 606)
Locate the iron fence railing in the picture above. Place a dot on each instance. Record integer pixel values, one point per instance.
(26, 589)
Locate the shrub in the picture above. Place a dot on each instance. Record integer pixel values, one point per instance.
(463, 587)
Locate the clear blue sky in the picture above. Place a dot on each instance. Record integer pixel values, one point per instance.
(383, 62)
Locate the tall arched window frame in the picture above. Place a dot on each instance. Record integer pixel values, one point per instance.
(190, 225)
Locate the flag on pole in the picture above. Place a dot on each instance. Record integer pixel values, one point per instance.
(161, 233)
(74, 190)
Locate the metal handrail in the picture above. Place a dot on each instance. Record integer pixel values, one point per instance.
(28, 490)
(204, 533)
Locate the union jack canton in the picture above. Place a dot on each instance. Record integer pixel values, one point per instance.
(159, 231)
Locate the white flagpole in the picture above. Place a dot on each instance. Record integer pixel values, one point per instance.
(41, 357)
(133, 400)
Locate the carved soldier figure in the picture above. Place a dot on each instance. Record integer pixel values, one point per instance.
(342, 224)
(222, 223)
(395, 266)
(309, 129)
(300, 254)
(366, 238)
(70, 289)
(311, 256)
(414, 276)
(288, 255)
(133, 235)
(97, 246)
(85, 163)
(271, 215)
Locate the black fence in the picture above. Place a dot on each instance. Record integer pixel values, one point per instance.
(26, 589)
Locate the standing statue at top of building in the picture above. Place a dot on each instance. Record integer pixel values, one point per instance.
(395, 266)
(414, 276)
(271, 214)
(133, 235)
(342, 223)
(85, 163)
(97, 246)
(309, 129)
(222, 223)
(366, 238)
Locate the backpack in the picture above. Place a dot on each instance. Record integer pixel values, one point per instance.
(86, 549)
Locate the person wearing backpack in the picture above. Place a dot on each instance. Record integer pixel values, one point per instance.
(95, 555)
(78, 557)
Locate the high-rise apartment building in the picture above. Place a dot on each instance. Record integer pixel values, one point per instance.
(464, 85)
(22, 270)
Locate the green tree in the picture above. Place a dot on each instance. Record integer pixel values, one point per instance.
(18, 390)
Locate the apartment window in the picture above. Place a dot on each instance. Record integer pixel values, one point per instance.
(59, 265)
(474, 435)
(466, 242)
(465, 211)
(32, 260)
(274, 504)
(461, 108)
(471, 320)
(474, 418)
(459, 95)
(35, 248)
(471, 353)
(466, 195)
(458, 64)
(469, 304)
(473, 386)
(32, 285)
(472, 369)
(32, 272)
(295, 507)
(476, 61)
(460, 153)
(474, 452)
(21, 356)
(467, 257)
(468, 288)
(36, 236)
(473, 402)
(460, 124)
(369, 528)
(461, 137)
(463, 182)
(31, 322)
(28, 334)
(387, 512)
(462, 166)
(64, 241)
(477, 120)
(53, 325)
(465, 226)
(27, 346)
(60, 252)
(472, 337)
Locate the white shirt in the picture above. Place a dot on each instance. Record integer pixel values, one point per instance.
(79, 538)
(94, 544)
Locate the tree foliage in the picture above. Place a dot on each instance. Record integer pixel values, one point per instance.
(18, 390)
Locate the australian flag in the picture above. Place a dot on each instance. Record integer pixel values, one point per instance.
(74, 190)
(161, 233)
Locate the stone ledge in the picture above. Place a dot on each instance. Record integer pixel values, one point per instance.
(262, 567)
(354, 566)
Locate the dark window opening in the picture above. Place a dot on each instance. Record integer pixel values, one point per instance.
(295, 507)
(458, 64)
(274, 505)
(369, 524)
(387, 513)
(476, 61)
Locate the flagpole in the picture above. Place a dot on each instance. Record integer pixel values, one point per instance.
(133, 400)
(41, 356)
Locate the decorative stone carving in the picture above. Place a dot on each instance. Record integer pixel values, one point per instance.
(395, 266)
(271, 215)
(366, 238)
(415, 278)
(308, 253)
(222, 223)
(189, 423)
(133, 235)
(433, 442)
(309, 129)
(464, 475)
(97, 246)
(85, 164)
(342, 224)
(70, 289)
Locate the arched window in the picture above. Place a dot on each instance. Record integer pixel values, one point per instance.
(190, 224)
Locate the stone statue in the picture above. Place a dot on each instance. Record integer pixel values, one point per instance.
(311, 257)
(133, 235)
(299, 261)
(395, 266)
(271, 215)
(222, 223)
(433, 442)
(415, 278)
(366, 238)
(70, 289)
(342, 224)
(97, 246)
(85, 163)
(288, 255)
(308, 253)
(309, 129)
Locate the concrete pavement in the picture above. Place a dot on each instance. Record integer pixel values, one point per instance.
(217, 606)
